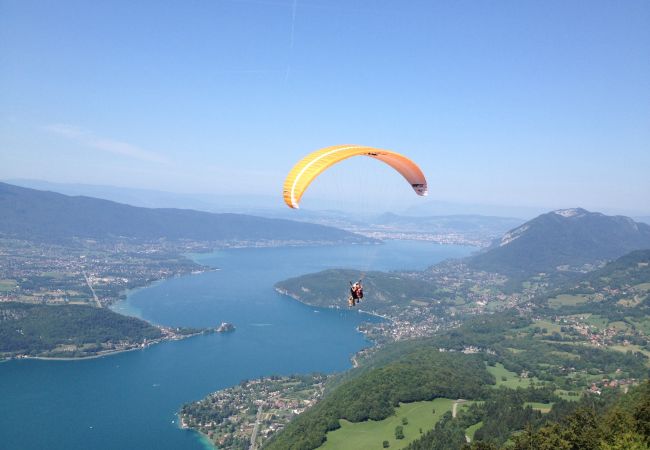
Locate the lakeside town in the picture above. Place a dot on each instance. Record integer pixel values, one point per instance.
(438, 238)
(247, 415)
(88, 272)
(98, 273)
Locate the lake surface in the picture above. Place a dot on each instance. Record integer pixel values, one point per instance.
(129, 400)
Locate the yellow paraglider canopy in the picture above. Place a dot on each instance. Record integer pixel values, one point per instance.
(312, 165)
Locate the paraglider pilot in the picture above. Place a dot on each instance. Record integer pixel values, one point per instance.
(356, 293)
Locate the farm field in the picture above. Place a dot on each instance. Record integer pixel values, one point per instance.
(371, 434)
(567, 300)
(508, 379)
(567, 395)
(597, 321)
(548, 325)
(541, 407)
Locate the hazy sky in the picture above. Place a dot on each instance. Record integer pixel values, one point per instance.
(532, 103)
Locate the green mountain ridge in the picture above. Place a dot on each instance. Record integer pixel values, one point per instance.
(571, 238)
(45, 216)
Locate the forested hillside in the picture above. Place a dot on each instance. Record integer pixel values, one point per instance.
(383, 290)
(422, 374)
(565, 239)
(418, 370)
(612, 421)
(47, 216)
(67, 330)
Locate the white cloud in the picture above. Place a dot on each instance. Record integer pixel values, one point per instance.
(109, 145)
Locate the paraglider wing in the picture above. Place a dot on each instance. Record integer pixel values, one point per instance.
(315, 163)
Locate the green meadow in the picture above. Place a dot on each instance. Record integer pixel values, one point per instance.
(571, 396)
(7, 285)
(541, 407)
(508, 379)
(371, 434)
(567, 300)
(643, 287)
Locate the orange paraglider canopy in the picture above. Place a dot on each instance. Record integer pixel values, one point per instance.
(312, 165)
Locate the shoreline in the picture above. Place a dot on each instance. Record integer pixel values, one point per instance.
(359, 310)
(373, 343)
(104, 353)
(74, 358)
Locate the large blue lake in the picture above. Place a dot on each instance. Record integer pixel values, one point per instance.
(129, 400)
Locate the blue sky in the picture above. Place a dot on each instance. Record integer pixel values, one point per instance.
(530, 103)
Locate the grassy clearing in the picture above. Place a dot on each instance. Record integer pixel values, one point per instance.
(496, 305)
(629, 348)
(619, 326)
(551, 327)
(541, 407)
(471, 431)
(642, 287)
(508, 379)
(58, 275)
(567, 300)
(419, 303)
(515, 350)
(464, 406)
(642, 325)
(8, 285)
(370, 434)
(565, 355)
(566, 395)
(459, 301)
(597, 321)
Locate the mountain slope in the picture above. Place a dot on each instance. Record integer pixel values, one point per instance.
(569, 237)
(47, 216)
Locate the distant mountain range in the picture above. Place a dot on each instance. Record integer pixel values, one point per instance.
(48, 216)
(564, 239)
(150, 198)
(459, 223)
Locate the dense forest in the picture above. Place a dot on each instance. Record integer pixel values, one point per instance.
(607, 422)
(613, 422)
(34, 329)
(383, 289)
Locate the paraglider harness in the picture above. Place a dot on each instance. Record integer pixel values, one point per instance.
(356, 293)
